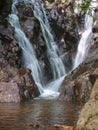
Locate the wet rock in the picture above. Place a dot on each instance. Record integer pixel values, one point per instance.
(9, 92)
(26, 86)
(25, 82)
(28, 27)
(30, 89)
(76, 86)
(10, 51)
(68, 91)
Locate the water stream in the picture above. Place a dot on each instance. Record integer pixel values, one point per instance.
(29, 56)
(84, 44)
(85, 41)
(53, 52)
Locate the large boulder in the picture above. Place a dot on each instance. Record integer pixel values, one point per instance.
(22, 78)
(78, 89)
(16, 84)
(88, 119)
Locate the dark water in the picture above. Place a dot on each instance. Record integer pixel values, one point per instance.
(37, 115)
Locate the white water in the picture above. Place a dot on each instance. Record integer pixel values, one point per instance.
(51, 90)
(29, 56)
(53, 53)
(84, 44)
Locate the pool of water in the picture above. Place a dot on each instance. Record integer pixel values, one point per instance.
(38, 114)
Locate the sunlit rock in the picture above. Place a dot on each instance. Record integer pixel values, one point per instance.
(63, 127)
(88, 119)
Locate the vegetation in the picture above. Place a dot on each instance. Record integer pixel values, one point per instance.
(86, 7)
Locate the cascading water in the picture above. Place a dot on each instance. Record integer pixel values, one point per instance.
(57, 65)
(84, 44)
(53, 54)
(29, 56)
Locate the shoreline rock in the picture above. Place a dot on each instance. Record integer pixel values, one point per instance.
(88, 119)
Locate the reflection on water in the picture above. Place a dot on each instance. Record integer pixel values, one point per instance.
(37, 115)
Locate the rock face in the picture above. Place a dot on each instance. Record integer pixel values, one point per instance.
(77, 86)
(9, 92)
(88, 119)
(16, 85)
(16, 82)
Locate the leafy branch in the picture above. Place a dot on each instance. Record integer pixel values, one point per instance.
(86, 7)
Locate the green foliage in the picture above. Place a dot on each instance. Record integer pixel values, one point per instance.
(85, 7)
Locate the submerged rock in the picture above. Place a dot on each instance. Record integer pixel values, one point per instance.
(64, 127)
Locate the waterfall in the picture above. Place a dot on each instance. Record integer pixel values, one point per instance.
(84, 44)
(53, 53)
(29, 56)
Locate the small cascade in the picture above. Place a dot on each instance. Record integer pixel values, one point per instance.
(84, 44)
(51, 90)
(53, 53)
(29, 56)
